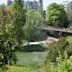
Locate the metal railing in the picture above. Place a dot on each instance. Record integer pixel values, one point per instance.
(55, 29)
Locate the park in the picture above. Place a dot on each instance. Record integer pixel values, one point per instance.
(33, 39)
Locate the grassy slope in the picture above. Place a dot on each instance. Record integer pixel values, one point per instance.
(27, 61)
(21, 69)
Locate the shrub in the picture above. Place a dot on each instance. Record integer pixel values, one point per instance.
(62, 65)
(53, 50)
(59, 56)
(20, 69)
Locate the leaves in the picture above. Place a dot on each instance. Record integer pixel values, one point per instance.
(18, 19)
(56, 16)
(11, 30)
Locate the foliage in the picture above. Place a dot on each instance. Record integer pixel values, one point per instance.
(33, 20)
(44, 16)
(7, 41)
(11, 31)
(19, 69)
(1, 70)
(56, 16)
(32, 48)
(59, 56)
(62, 65)
(28, 27)
(17, 19)
(55, 48)
(4, 15)
(70, 26)
(69, 49)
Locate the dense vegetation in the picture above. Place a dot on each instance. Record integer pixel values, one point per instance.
(7, 39)
(11, 31)
(58, 57)
(33, 20)
(19, 25)
(56, 16)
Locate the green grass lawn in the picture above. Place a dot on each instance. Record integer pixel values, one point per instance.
(28, 58)
(28, 61)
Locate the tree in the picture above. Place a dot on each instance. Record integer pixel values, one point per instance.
(64, 45)
(44, 16)
(56, 49)
(28, 27)
(33, 21)
(59, 56)
(11, 31)
(18, 19)
(4, 15)
(7, 40)
(56, 16)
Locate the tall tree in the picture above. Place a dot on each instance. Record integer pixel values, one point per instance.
(4, 15)
(7, 39)
(56, 15)
(11, 30)
(33, 20)
(18, 19)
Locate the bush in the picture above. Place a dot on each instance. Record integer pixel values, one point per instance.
(69, 48)
(62, 65)
(65, 43)
(59, 56)
(20, 69)
(7, 41)
(53, 50)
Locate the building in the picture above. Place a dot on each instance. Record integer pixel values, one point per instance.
(68, 6)
(68, 9)
(9, 2)
(33, 5)
(29, 4)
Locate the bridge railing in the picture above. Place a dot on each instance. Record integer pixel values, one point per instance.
(55, 29)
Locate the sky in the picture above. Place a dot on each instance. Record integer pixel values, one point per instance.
(45, 2)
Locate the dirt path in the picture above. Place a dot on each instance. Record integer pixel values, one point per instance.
(49, 40)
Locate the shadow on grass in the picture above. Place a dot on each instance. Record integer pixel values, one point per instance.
(32, 48)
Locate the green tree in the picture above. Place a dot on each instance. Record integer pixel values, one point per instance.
(58, 47)
(4, 15)
(7, 43)
(56, 15)
(63, 64)
(18, 19)
(7, 40)
(11, 31)
(29, 26)
(59, 56)
(33, 20)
